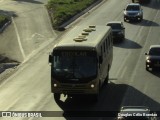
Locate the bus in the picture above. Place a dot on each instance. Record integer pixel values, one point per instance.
(81, 60)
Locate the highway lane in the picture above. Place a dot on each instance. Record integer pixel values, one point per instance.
(147, 83)
(29, 87)
(129, 60)
(29, 29)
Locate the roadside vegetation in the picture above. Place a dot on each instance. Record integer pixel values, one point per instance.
(63, 10)
(3, 20)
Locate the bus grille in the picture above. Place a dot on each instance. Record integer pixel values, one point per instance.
(72, 86)
(74, 91)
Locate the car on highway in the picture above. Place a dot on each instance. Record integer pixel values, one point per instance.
(136, 113)
(118, 30)
(140, 1)
(135, 1)
(153, 57)
(133, 11)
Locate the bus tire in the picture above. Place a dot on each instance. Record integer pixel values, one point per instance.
(147, 69)
(106, 79)
(124, 19)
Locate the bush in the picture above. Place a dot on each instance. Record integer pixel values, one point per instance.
(3, 20)
(62, 10)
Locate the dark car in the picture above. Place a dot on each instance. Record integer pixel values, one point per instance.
(136, 113)
(118, 30)
(153, 57)
(135, 1)
(134, 12)
(140, 1)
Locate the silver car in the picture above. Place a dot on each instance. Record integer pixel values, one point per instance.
(133, 11)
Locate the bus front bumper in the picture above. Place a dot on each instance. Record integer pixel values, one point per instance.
(74, 89)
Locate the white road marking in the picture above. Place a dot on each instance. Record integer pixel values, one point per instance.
(122, 64)
(139, 34)
(142, 52)
(37, 34)
(19, 40)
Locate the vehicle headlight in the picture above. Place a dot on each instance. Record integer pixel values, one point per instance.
(125, 12)
(148, 61)
(55, 85)
(92, 85)
(138, 13)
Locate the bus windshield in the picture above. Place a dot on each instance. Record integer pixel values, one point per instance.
(77, 66)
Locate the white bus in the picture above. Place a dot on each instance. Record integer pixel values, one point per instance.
(81, 61)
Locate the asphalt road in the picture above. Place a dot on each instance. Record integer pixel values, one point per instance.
(29, 29)
(130, 84)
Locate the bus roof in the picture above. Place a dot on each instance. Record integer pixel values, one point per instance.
(86, 36)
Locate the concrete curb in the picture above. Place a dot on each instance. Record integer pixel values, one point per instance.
(2, 58)
(6, 66)
(4, 26)
(6, 63)
(62, 27)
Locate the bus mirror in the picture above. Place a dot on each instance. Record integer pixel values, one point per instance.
(100, 59)
(50, 58)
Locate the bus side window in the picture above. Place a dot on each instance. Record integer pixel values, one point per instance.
(106, 45)
(102, 53)
(100, 60)
(111, 40)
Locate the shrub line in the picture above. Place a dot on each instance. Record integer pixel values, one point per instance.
(4, 26)
(79, 14)
(65, 19)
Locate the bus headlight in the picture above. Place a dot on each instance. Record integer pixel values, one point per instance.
(92, 85)
(55, 85)
(148, 61)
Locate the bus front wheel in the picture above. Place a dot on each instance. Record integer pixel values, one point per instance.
(106, 79)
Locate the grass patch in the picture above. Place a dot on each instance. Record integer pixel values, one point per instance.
(3, 20)
(62, 10)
